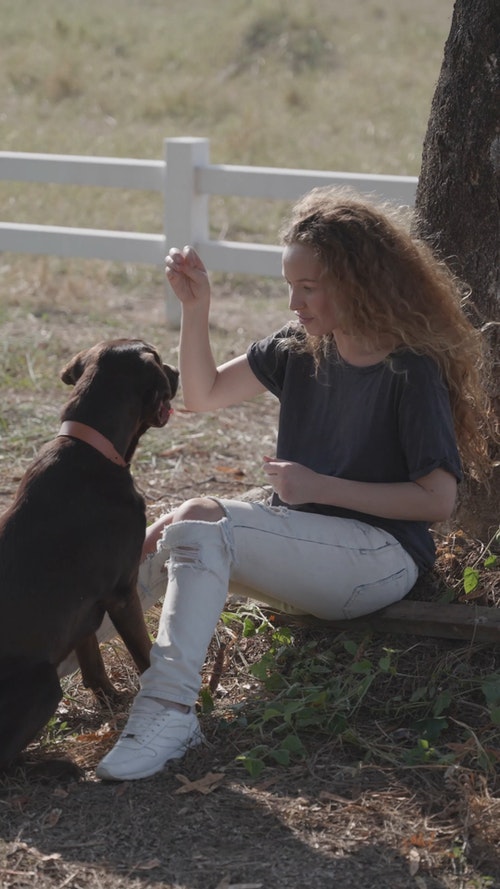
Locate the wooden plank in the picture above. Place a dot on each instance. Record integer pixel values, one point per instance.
(454, 621)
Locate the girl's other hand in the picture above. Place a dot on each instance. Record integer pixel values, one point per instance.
(293, 482)
(188, 276)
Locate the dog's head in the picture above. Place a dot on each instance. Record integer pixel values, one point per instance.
(120, 383)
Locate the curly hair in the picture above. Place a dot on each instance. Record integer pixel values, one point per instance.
(390, 285)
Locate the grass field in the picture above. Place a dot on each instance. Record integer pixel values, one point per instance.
(317, 85)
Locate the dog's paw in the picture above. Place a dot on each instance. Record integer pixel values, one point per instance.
(44, 771)
(111, 697)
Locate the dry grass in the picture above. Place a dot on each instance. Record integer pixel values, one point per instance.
(318, 85)
(312, 84)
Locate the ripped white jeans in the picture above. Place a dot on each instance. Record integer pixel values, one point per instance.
(333, 568)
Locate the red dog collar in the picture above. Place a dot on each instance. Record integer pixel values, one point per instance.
(73, 429)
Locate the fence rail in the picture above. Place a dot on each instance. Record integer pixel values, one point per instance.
(185, 178)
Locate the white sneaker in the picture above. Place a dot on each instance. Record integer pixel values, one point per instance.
(154, 734)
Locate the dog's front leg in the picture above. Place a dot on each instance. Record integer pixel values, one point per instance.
(93, 670)
(128, 619)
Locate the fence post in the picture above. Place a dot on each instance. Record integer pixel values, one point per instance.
(185, 215)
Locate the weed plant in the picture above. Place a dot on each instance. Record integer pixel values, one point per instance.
(397, 705)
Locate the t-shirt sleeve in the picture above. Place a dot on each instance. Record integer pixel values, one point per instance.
(426, 422)
(268, 359)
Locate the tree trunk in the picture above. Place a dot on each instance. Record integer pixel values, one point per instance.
(458, 196)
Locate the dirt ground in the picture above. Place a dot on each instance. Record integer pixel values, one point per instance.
(337, 817)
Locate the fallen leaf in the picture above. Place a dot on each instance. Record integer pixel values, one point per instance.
(246, 885)
(226, 884)
(148, 865)
(19, 802)
(231, 470)
(209, 782)
(325, 796)
(264, 785)
(52, 818)
(421, 841)
(478, 593)
(91, 737)
(463, 748)
(53, 856)
(414, 857)
(172, 452)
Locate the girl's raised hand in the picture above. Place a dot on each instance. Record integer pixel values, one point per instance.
(187, 275)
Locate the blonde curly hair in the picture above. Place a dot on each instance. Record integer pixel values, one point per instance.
(389, 285)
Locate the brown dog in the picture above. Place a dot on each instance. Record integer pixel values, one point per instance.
(70, 544)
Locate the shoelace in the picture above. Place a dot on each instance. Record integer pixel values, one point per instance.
(142, 717)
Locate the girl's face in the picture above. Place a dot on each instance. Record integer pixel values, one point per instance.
(310, 295)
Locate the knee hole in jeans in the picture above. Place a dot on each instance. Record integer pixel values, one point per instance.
(186, 555)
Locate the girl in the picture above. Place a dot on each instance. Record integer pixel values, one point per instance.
(380, 403)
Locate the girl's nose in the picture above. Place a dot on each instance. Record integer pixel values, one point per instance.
(294, 300)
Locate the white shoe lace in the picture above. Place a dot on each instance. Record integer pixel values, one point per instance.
(143, 715)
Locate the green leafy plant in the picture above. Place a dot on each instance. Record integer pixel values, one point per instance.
(337, 689)
(472, 574)
(305, 693)
(55, 731)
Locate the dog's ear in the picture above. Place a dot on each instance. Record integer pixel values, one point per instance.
(72, 371)
(172, 375)
(76, 367)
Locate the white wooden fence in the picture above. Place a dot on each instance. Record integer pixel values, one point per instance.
(186, 179)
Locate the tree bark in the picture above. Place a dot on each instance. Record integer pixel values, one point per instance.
(458, 196)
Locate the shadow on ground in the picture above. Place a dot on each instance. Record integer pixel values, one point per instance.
(327, 825)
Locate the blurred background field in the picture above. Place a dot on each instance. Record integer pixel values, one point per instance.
(316, 84)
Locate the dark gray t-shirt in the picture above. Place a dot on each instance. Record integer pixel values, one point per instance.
(389, 422)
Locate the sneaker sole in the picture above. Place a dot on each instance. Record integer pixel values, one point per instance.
(105, 775)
